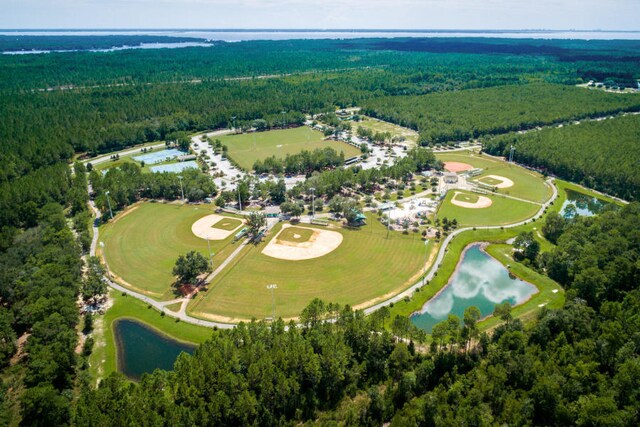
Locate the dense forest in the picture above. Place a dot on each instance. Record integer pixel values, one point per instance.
(458, 116)
(599, 154)
(579, 365)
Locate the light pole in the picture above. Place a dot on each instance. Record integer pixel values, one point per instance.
(109, 203)
(511, 154)
(234, 123)
(181, 189)
(239, 199)
(284, 121)
(272, 288)
(313, 202)
(210, 254)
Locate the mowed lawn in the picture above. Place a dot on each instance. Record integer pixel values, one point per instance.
(527, 184)
(502, 211)
(227, 224)
(246, 148)
(142, 244)
(382, 126)
(364, 267)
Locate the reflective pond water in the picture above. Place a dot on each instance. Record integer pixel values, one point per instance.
(581, 204)
(479, 280)
(142, 349)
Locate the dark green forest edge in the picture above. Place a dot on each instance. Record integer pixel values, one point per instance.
(576, 365)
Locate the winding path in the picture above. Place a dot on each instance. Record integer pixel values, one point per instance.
(182, 314)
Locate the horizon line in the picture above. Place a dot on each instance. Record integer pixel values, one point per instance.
(293, 30)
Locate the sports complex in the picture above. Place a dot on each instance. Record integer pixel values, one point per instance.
(297, 261)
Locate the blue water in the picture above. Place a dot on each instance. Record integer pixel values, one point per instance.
(581, 204)
(479, 281)
(143, 350)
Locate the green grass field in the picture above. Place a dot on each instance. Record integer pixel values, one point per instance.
(246, 148)
(381, 126)
(365, 266)
(143, 243)
(527, 184)
(502, 211)
(227, 224)
(489, 181)
(295, 234)
(466, 197)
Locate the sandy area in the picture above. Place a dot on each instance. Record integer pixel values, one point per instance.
(483, 202)
(457, 166)
(204, 229)
(506, 182)
(321, 243)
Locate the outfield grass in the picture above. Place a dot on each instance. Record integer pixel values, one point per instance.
(103, 360)
(228, 224)
(295, 234)
(382, 126)
(143, 243)
(527, 184)
(364, 267)
(502, 211)
(246, 148)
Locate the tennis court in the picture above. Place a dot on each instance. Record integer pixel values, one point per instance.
(174, 167)
(158, 156)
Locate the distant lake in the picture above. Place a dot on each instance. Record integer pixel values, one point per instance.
(142, 349)
(479, 280)
(581, 204)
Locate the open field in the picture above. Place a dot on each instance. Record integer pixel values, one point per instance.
(246, 148)
(501, 212)
(143, 243)
(103, 359)
(364, 267)
(527, 184)
(380, 126)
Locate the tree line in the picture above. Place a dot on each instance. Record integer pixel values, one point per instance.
(304, 162)
(459, 116)
(599, 154)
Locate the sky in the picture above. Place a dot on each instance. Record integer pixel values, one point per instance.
(321, 14)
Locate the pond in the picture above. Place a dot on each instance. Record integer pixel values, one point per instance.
(142, 349)
(479, 280)
(581, 204)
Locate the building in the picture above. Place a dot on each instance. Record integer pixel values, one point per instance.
(450, 178)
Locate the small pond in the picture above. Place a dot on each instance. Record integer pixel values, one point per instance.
(142, 349)
(479, 280)
(581, 204)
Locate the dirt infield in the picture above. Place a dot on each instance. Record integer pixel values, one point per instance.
(482, 202)
(204, 228)
(457, 166)
(320, 243)
(504, 182)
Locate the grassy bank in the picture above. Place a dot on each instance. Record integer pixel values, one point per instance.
(103, 360)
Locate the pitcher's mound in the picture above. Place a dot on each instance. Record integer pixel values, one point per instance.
(299, 243)
(215, 227)
(457, 166)
(496, 181)
(471, 201)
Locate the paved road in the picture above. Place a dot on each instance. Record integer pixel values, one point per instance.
(441, 253)
(183, 316)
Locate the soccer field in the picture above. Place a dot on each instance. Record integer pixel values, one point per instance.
(364, 267)
(381, 126)
(246, 148)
